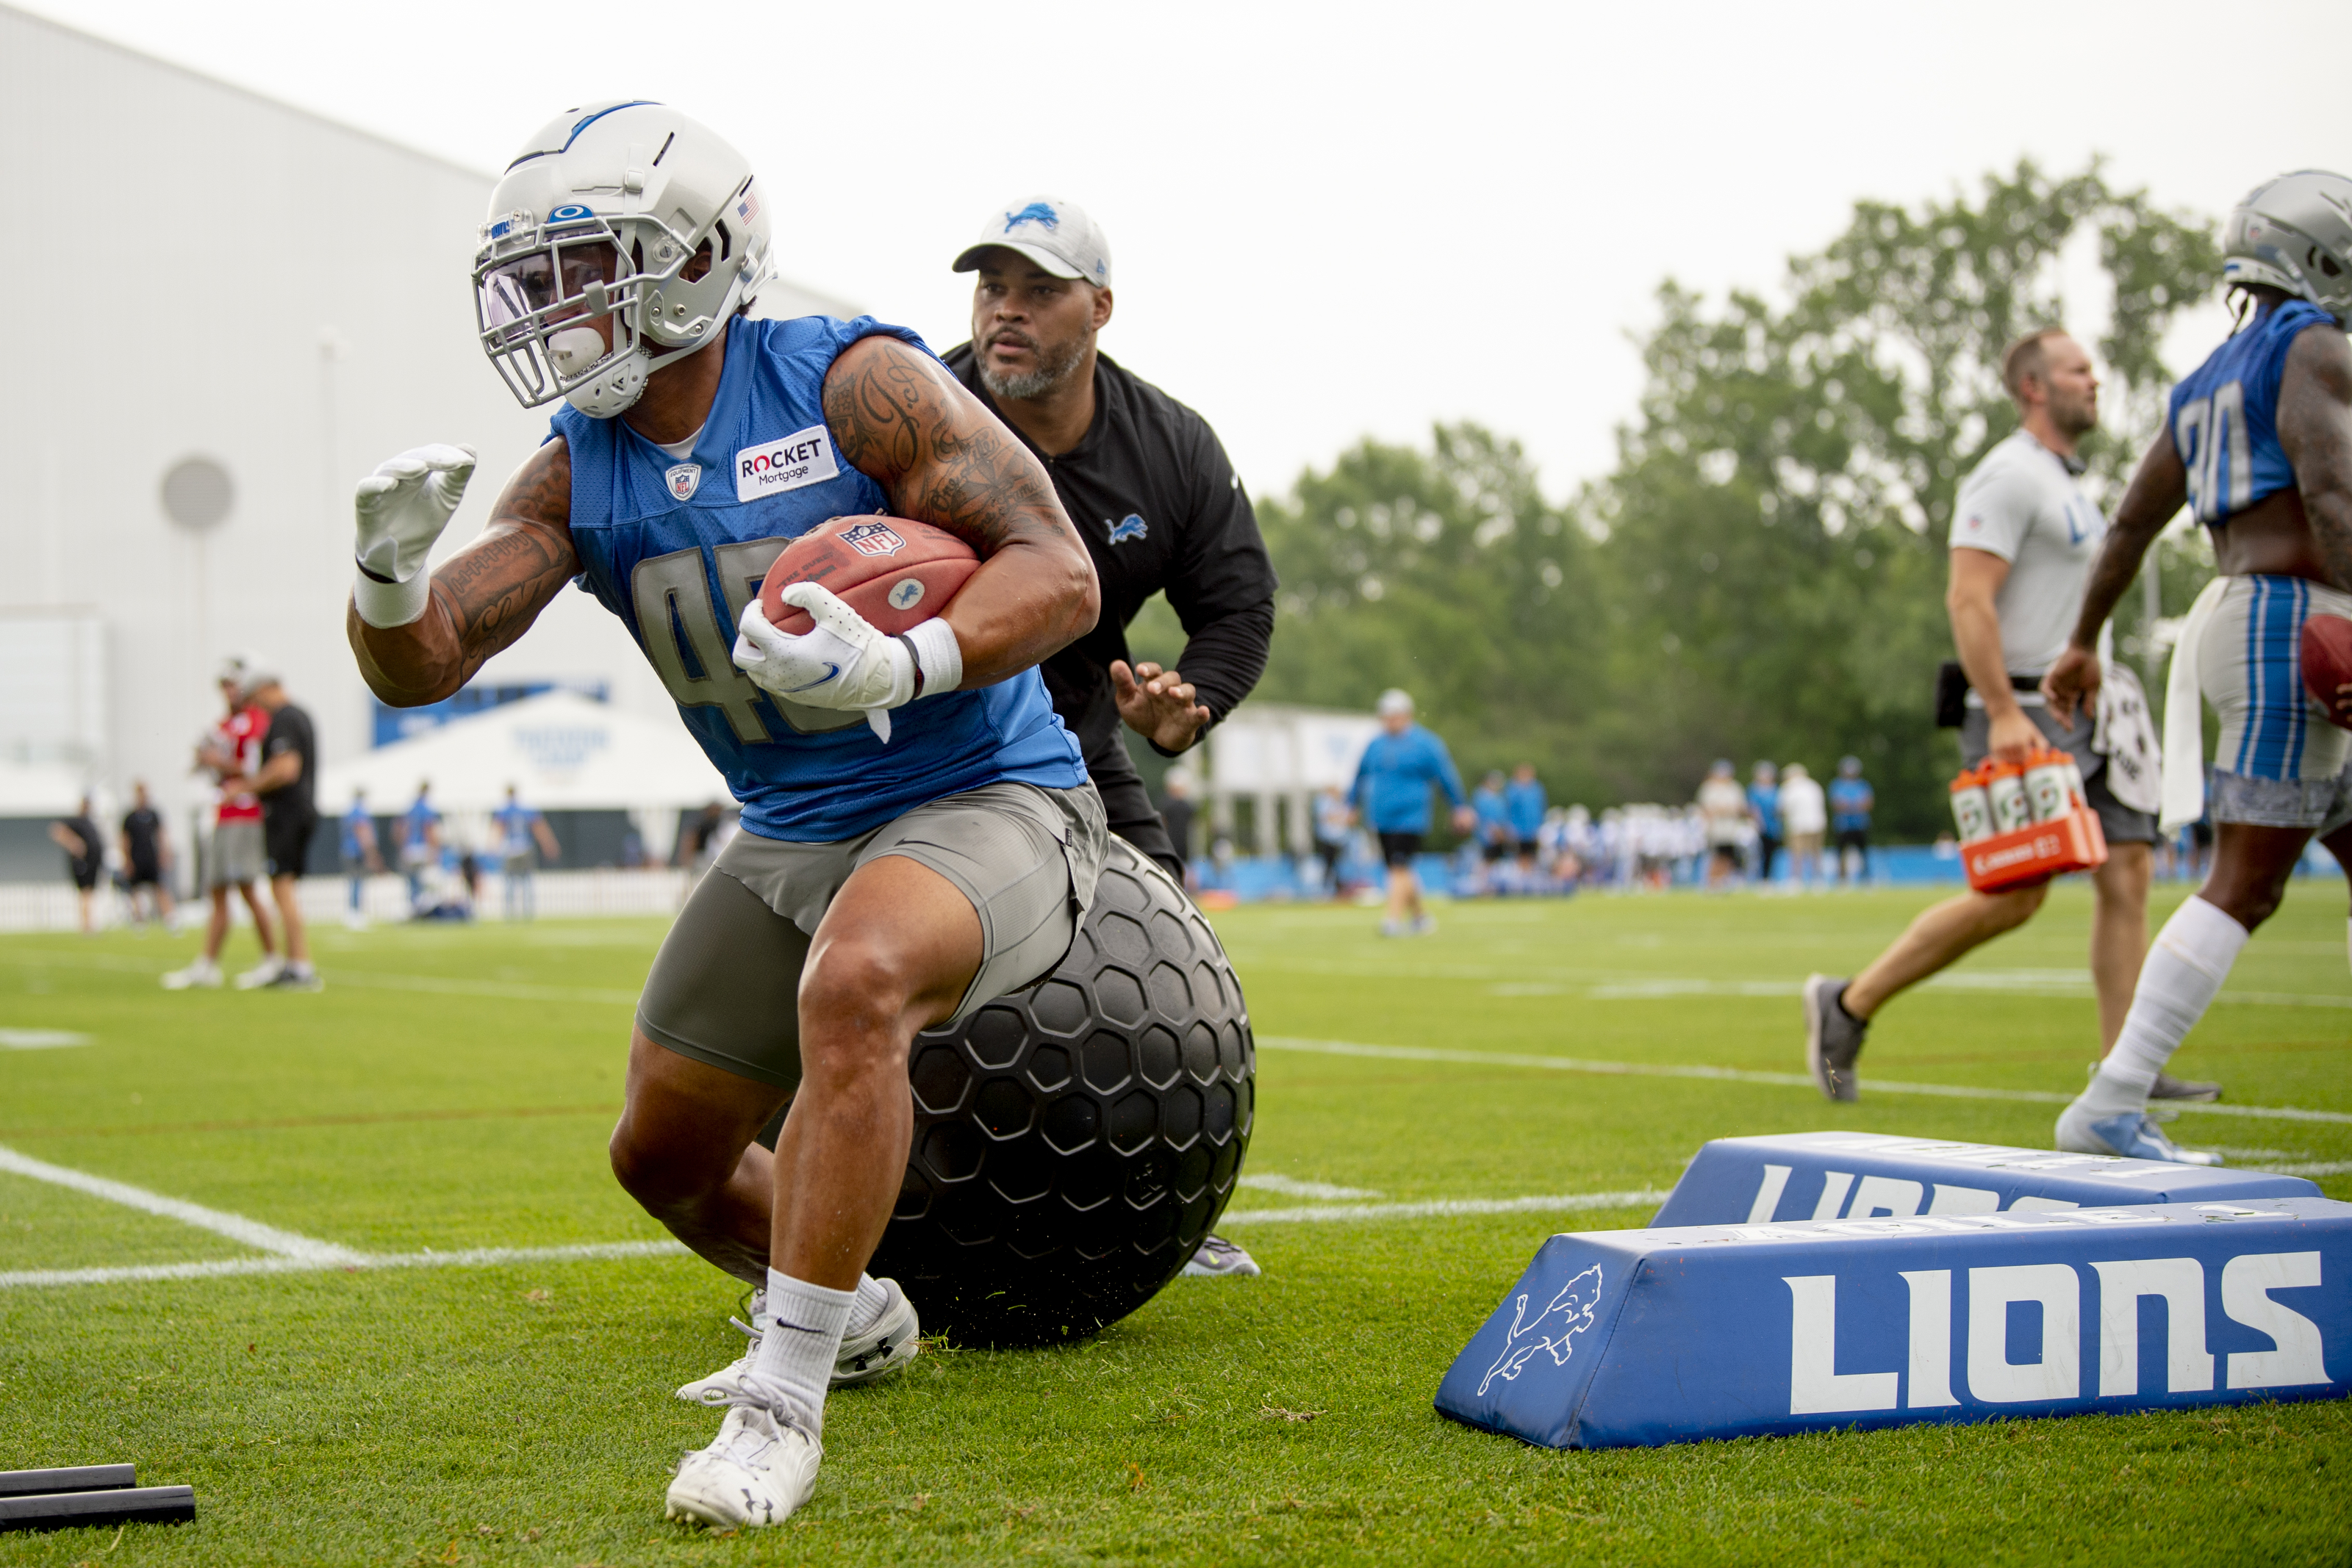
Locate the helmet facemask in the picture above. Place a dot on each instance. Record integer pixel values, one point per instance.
(542, 288)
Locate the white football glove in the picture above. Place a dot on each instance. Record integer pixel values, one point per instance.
(403, 507)
(842, 662)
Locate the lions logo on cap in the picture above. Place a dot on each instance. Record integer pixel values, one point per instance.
(1039, 212)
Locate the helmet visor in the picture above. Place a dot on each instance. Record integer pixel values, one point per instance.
(551, 284)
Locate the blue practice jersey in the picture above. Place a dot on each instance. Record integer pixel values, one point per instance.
(515, 837)
(2224, 415)
(1850, 803)
(1493, 815)
(1764, 800)
(414, 821)
(1392, 787)
(354, 819)
(676, 548)
(1525, 804)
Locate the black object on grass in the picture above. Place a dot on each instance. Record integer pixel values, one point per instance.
(73, 1477)
(1075, 1141)
(114, 1505)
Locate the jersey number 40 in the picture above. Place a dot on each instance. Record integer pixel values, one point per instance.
(693, 652)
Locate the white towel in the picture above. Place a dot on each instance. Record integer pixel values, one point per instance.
(2125, 734)
(2184, 715)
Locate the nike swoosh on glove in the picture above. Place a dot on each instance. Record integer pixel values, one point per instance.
(842, 662)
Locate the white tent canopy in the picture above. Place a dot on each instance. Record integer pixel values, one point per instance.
(561, 750)
(40, 789)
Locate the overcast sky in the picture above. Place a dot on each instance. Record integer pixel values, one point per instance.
(1329, 221)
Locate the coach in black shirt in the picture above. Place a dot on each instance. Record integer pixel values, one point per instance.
(1147, 483)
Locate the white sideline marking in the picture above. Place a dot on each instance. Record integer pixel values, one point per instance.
(1443, 1207)
(236, 1227)
(1737, 1075)
(476, 1257)
(40, 1039)
(1290, 1187)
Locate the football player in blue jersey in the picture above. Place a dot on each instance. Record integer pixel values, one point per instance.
(919, 835)
(2258, 444)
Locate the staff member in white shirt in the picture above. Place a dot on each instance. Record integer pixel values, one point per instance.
(2023, 539)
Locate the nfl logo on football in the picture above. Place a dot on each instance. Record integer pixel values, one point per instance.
(873, 539)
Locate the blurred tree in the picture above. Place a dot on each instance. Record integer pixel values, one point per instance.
(1763, 574)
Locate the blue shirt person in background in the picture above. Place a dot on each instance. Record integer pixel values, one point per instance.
(1493, 830)
(1523, 807)
(521, 831)
(1764, 805)
(1850, 804)
(420, 840)
(360, 858)
(1390, 795)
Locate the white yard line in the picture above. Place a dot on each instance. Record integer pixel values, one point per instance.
(475, 1257)
(251, 1233)
(40, 1039)
(1737, 1075)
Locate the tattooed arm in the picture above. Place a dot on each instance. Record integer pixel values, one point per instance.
(2157, 493)
(902, 419)
(2314, 430)
(484, 596)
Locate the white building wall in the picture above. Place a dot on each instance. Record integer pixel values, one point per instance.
(193, 269)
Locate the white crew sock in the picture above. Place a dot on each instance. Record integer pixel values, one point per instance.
(867, 1312)
(2186, 966)
(797, 1353)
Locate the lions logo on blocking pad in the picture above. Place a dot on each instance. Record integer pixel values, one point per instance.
(1570, 1315)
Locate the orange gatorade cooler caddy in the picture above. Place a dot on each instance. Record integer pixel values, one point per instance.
(2042, 826)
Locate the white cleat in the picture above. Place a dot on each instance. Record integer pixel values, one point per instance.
(202, 973)
(895, 1340)
(754, 1473)
(262, 974)
(2130, 1134)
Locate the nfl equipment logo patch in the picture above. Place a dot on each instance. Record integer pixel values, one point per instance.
(684, 480)
(873, 539)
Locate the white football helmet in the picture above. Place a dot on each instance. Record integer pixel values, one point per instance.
(2294, 234)
(627, 212)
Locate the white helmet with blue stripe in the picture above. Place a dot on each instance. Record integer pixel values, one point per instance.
(623, 235)
(2294, 234)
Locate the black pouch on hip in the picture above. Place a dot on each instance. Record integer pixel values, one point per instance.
(1951, 695)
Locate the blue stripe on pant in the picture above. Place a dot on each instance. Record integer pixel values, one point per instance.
(2270, 746)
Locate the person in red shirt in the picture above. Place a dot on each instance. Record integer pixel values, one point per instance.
(231, 751)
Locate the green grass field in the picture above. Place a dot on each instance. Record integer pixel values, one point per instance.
(452, 1090)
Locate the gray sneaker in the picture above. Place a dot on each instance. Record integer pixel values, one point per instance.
(1833, 1039)
(1219, 1259)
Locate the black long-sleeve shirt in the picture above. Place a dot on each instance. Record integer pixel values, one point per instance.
(1161, 509)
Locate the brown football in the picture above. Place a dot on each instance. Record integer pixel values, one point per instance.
(2327, 667)
(893, 571)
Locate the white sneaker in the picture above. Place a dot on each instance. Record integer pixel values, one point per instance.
(754, 1473)
(2133, 1134)
(894, 1340)
(261, 974)
(202, 972)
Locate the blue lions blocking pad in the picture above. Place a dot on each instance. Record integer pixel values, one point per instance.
(1621, 1338)
(1861, 1175)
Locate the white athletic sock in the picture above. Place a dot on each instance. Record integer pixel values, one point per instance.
(871, 1299)
(2186, 966)
(805, 1323)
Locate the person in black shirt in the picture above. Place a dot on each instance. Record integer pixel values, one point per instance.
(1148, 484)
(288, 785)
(1156, 500)
(146, 857)
(85, 855)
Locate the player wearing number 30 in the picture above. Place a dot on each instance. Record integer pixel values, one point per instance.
(920, 833)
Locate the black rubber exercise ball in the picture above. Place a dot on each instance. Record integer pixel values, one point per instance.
(1075, 1141)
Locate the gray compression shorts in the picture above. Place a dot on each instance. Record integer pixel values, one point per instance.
(237, 854)
(725, 986)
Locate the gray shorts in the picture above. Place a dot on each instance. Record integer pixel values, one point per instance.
(2119, 822)
(725, 986)
(238, 855)
(2323, 805)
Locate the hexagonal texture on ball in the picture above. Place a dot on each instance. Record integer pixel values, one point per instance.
(1075, 1141)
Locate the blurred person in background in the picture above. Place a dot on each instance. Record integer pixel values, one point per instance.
(1804, 815)
(85, 859)
(1851, 802)
(1149, 487)
(1390, 795)
(2024, 537)
(523, 836)
(146, 858)
(420, 840)
(1176, 814)
(1492, 817)
(231, 753)
(288, 785)
(1723, 805)
(1525, 806)
(1334, 825)
(1764, 809)
(361, 856)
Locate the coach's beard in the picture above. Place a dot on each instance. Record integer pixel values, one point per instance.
(1051, 372)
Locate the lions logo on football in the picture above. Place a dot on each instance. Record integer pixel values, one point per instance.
(905, 593)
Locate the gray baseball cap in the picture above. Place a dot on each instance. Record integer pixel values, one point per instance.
(1055, 233)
